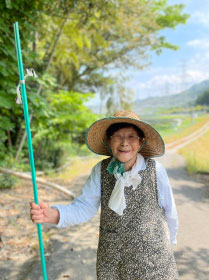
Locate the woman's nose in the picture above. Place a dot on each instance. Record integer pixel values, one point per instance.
(124, 141)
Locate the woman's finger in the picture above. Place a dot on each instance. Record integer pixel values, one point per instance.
(33, 205)
(36, 212)
(36, 218)
(43, 205)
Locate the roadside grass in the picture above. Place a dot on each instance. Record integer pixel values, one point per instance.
(46, 237)
(169, 126)
(165, 124)
(77, 166)
(196, 154)
(187, 127)
(175, 127)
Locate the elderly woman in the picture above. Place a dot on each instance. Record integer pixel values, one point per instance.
(138, 222)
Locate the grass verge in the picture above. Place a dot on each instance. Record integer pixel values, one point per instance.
(196, 154)
(187, 127)
(77, 166)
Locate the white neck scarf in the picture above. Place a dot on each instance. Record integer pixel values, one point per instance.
(130, 178)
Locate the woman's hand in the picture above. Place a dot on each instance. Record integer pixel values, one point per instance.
(43, 213)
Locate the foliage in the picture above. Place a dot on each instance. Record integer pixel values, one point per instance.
(203, 99)
(72, 45)
(7, 181)
(111, 35)
(67, 121)
(11, 120)
(116, 95)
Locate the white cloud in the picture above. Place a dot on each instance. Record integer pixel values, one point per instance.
(196, 76)
(159, 80)
(201, 17)
(164, 84)
(159, 85)
(199, 43)
(206, 55)
(200, 62)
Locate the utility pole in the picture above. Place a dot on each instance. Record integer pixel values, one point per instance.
(184, 82)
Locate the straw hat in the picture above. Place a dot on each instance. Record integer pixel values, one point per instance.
(96, 134)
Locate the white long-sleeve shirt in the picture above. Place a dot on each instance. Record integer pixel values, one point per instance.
(85, 206)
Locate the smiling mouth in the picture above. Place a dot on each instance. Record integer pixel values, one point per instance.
(125, 152)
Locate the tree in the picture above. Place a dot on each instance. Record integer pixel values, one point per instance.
(29, 15)
(10, 114)
(203, 99)
(73, 45)
(114, 35)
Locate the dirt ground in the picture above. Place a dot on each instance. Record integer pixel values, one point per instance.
(71, 253)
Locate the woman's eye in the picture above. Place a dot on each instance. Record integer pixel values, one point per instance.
(118, 137)
(131, 137)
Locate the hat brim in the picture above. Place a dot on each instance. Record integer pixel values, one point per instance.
(96, 136)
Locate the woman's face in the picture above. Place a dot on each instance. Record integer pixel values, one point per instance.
(125, 145)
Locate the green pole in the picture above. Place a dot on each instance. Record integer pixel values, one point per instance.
(29, 140)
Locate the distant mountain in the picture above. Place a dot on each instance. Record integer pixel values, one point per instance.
(184, 98)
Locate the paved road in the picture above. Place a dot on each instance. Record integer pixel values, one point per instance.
(192, 200)
(73, 251)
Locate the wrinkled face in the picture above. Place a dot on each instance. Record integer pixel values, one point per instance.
(125, 145)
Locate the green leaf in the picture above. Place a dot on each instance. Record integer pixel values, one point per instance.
(87, 42)
(2, 135)
(4, 72)
(5, 103)
(79, 41)
(8, 4)
(6, 124)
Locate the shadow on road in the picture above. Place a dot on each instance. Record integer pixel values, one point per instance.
(192, 263)
(187, 187)
(71, 254)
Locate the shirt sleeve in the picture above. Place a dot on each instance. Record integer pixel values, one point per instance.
(166, 201)
(85, 206)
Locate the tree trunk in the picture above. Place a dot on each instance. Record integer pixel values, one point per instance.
(9, 139)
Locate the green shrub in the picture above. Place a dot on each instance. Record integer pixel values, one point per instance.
(7, 181)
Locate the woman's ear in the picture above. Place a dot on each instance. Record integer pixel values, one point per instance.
(108, 141)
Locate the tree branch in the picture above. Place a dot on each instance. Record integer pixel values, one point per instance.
(38, 180)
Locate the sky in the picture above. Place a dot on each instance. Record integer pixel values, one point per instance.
(175, 71)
